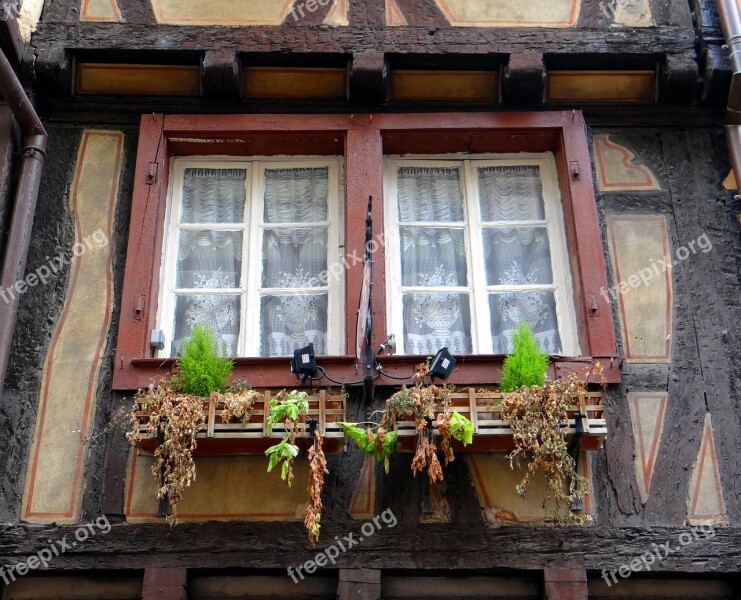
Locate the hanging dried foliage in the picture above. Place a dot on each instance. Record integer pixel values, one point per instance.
(317, 471)
(538, 417)
(176, 418)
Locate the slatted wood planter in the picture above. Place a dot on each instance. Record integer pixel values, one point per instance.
(230, 438)
(491, 433)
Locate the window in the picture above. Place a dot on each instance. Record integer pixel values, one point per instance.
(263, 238)
(474, 247)
(248, 238)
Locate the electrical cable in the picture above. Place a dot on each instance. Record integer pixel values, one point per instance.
(324, 375)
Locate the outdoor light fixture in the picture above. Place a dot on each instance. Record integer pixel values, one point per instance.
(304, 362)
(442, 365)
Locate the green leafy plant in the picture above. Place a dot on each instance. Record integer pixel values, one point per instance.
(291, 409)
(200, 367)
(420, 402)
(380, 444)
(527, 364)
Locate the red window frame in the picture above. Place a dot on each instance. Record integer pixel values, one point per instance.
(363, 140)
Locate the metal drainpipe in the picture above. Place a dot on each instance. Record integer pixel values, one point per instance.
(730, 18)
(24, 206)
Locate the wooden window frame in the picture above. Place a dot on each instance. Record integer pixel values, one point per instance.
(363, 140)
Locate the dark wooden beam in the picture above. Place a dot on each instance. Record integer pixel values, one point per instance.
(348, 40)
(717, 76)
(221, 76)
(524, 79)
(565, 584)
(54, 70)
(368, 77)
(265, 545)
(359, 584)
(678, 78)
(165, 584)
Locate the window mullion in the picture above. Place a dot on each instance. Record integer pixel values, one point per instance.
(254, 267)
(394, 305)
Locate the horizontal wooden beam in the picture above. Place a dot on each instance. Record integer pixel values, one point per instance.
(261, 546)
(457, 40)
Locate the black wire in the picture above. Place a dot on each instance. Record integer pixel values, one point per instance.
(324, 374)
(382, 372)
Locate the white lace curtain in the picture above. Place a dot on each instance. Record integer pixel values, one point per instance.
(434, 255)
(294, 254)
(294, 257)
(517, 256)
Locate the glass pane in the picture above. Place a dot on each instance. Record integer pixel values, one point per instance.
(430, 194)
(296, 195)
(291, 322)
(209, 259)
(219, 312)
(537, 309)
(435, 320)
(213, 196)
(294, 258)
(433, 257)
(517, 256)
(511, 193)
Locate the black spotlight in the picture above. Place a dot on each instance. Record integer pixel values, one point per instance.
(442, 365)
(304, 362)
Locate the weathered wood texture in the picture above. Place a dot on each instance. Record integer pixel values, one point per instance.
(406, 546)
(418, 40)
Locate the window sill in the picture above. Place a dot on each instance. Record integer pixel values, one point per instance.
(275, 372)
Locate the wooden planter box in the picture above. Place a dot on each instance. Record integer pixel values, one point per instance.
(492, 434)
(221, 438)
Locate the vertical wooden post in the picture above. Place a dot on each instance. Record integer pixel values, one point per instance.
(359, 584)
(165, 584)
(565, 584)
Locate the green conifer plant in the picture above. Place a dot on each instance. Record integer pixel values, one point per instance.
(526, 366)
(201, 367)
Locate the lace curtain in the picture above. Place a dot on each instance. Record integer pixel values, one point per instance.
(294, 256)
(432, 226)
(433, 256)
(518, 255)
(292, 311)
(210, 259)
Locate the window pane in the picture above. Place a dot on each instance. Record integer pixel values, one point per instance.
(213, 196)
(209, 259)
(517, 256)
(510, 193)
(291, 322)
(430, 194)
(294, 258)
(433, 256)
(296, 195)
(537, 309)
(434, 320)
(219, 312)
